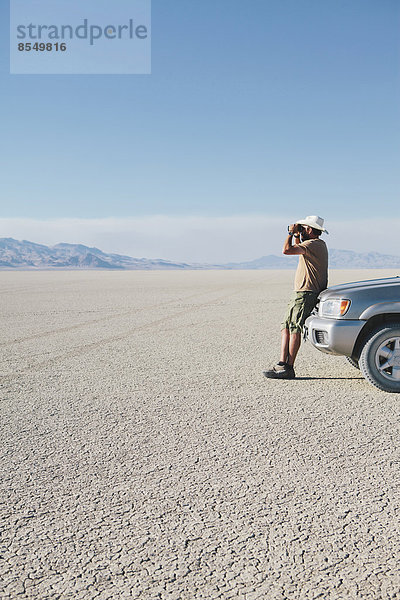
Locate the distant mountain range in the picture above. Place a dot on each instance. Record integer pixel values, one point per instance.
(338, 259)
(15, 254)
(28, 255)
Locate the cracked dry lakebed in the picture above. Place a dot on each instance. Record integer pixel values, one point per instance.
(143, 454)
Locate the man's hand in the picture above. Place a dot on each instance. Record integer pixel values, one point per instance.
(287, 246)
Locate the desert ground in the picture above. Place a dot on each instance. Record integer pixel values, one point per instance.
(145, 456)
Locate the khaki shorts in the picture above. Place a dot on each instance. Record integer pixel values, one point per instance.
(299, 308)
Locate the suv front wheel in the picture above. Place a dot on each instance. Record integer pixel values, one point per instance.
(380, 358)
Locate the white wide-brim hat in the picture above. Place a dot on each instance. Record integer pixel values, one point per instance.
(314, 222)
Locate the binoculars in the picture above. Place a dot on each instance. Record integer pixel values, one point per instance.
(297, 228)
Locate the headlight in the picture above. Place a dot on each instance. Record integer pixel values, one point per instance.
(336, 307)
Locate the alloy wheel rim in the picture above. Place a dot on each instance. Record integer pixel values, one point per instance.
(387, 359)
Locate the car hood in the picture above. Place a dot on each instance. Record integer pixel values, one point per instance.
(358, 286)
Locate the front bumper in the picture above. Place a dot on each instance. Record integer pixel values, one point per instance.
(333, 336)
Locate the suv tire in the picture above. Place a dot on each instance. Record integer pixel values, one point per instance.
(354, 363)
(380, 358)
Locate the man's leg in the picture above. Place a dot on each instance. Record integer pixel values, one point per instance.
(281, 370)
(294, 345)
(285, 337)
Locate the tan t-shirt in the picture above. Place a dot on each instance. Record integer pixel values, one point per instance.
(312, 270)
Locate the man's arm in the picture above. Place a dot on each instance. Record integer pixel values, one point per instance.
(290, 249)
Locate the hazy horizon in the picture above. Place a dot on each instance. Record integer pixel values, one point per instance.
(234, 238)
(337, 260)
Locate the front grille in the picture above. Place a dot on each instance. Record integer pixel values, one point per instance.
(321, 337)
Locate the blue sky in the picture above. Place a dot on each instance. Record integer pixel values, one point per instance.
(268, 109)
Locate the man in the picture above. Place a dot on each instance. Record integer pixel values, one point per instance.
(310, 279)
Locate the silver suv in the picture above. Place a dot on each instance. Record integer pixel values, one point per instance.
(361, 321)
